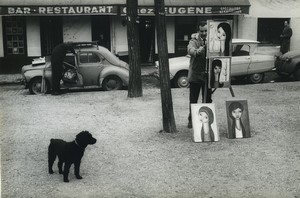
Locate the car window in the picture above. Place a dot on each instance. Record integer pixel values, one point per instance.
(88, 57)
(70, 60)
(241, 50)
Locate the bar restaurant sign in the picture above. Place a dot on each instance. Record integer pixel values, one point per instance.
(193, 10)
(60, 10)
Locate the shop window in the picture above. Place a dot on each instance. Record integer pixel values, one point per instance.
(269, 30)
(184, 27)
(15, 35)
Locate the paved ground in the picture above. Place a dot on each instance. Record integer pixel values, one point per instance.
(133, 159)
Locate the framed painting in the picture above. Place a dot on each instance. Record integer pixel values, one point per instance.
(219, 72)
(219, 37)
(204, 123)
(238, 119)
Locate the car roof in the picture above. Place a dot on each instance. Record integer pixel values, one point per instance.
(243, 41)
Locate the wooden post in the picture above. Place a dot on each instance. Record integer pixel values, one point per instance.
(135, 78)
(169, 125)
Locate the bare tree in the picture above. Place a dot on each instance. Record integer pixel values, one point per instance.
(169, 125)
(135, 78)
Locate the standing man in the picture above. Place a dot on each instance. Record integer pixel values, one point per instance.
(57, 58)
(285, 38)
(197, 71)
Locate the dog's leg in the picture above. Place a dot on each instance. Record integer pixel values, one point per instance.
(60, 164)
(66, 171)
(77, 170)
(51, 159)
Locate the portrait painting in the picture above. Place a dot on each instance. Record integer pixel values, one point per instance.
(204, 123)
(219, 72)
(219, 35)
(238, 119)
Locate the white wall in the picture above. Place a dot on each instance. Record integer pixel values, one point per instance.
(1, 39)
(77, 28)
(120, 33)
(33, 36)
(275, 8)
(247, 27)
(295, 40)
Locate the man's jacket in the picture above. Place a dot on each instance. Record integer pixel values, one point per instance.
(197, 61)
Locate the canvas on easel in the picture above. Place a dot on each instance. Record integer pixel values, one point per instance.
(238, 119)
(219, 35)
(204, 123)
(219, 72)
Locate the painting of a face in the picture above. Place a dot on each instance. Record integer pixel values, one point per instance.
(219, 72)
(203, 117)
(221, 34)
(237, 113)
(219, 38)
(238, 119)
(217, 69)
(204, 122)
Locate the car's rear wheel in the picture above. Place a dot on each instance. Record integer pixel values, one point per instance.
(181, 79)
(297, 74)
(35, 86)
(112, 83)
(256, 78)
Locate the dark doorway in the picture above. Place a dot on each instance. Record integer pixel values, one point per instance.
(51, 34)
(101, 30)
(147, 39)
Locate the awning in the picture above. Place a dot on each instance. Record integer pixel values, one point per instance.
(194, 7)
(145, 7)
(59, 10)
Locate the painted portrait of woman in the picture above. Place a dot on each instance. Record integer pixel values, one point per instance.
(224, 35)
(204, 124)
(219, 72)
(238, 120)
(219, 38)
(216, 68)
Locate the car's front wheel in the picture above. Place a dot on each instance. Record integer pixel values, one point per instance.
(35, 86)
(112, 83)
(181, 79)
(256, 78)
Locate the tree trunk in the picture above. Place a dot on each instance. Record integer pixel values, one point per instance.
(169, 125)
(135, 78)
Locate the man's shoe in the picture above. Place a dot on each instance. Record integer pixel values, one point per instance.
(190, 124)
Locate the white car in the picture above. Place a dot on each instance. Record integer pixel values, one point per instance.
(245, 62)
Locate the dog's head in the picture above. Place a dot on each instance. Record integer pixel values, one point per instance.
(84, 138)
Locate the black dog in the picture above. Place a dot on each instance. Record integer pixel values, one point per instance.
(69, 153)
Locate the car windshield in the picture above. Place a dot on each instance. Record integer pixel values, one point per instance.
(241, 50)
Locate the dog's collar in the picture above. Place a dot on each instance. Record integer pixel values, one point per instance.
(78, 145)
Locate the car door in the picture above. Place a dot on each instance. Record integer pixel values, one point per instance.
(241, 59)
(89, 66)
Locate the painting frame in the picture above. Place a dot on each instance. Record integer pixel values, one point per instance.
(219, 38)
(219, 72)
(238, 122)
(204, 121)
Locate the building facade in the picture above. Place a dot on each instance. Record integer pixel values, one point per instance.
(32, 28)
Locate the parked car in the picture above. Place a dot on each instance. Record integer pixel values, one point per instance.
(92, 65)
(246, 62)
(288, 64)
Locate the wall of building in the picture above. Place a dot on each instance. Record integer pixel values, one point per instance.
(77, 29)
(1, 39)
(247, 24)
(33, 36)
